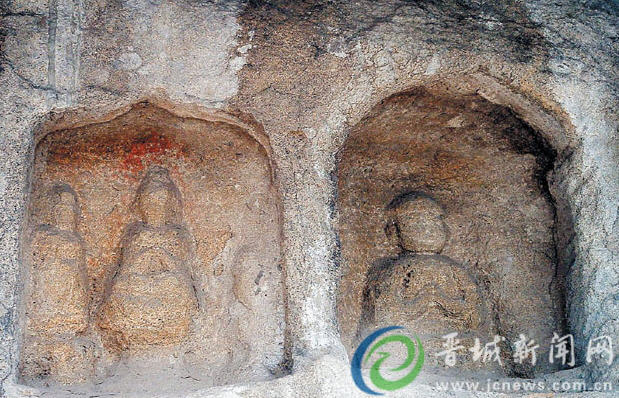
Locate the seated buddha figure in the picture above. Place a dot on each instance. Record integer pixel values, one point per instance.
(421, 289)
(57, 299)
(151, 298)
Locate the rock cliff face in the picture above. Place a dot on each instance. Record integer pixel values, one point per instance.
(286, 129)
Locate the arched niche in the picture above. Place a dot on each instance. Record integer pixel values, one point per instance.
(432, 158)
(151, 256)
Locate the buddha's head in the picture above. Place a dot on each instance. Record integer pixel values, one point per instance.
(420, 225)
(64, 210)
(158, 199)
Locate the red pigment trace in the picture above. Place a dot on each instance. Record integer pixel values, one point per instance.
(152, 146)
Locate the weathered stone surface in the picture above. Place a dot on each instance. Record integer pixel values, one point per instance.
(484, 166)
(420, 289)
(152, 299)
(57, 300)
(307, 72)
(179, 248)
(419, 224)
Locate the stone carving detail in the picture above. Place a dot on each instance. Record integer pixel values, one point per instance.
(57, 300)
(421, 289)
(184, 292)
(152, 297)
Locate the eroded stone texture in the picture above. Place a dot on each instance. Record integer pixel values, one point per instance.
(484, 167)
(308, 71)
(152, 297)
(420, 289)
(419, 223)
(179, 251)
(426, 292)
(57, 306)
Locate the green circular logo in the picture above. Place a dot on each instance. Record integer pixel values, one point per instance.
(414, 358)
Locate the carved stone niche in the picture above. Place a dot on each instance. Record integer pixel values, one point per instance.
(446, 225)
(151, 257)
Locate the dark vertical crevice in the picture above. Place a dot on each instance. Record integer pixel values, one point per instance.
(52, 23)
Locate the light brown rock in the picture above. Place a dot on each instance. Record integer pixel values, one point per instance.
(152, 299)
(57, 310)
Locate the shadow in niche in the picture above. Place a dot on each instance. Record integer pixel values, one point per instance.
(177, 236)
(487, 170)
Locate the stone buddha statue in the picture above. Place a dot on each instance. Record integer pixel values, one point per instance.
(151, 298)
(57, 299)
(421, 289)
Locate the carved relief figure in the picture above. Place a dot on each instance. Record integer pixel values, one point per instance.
(421, 289)
(57, 301)
(152, 297)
